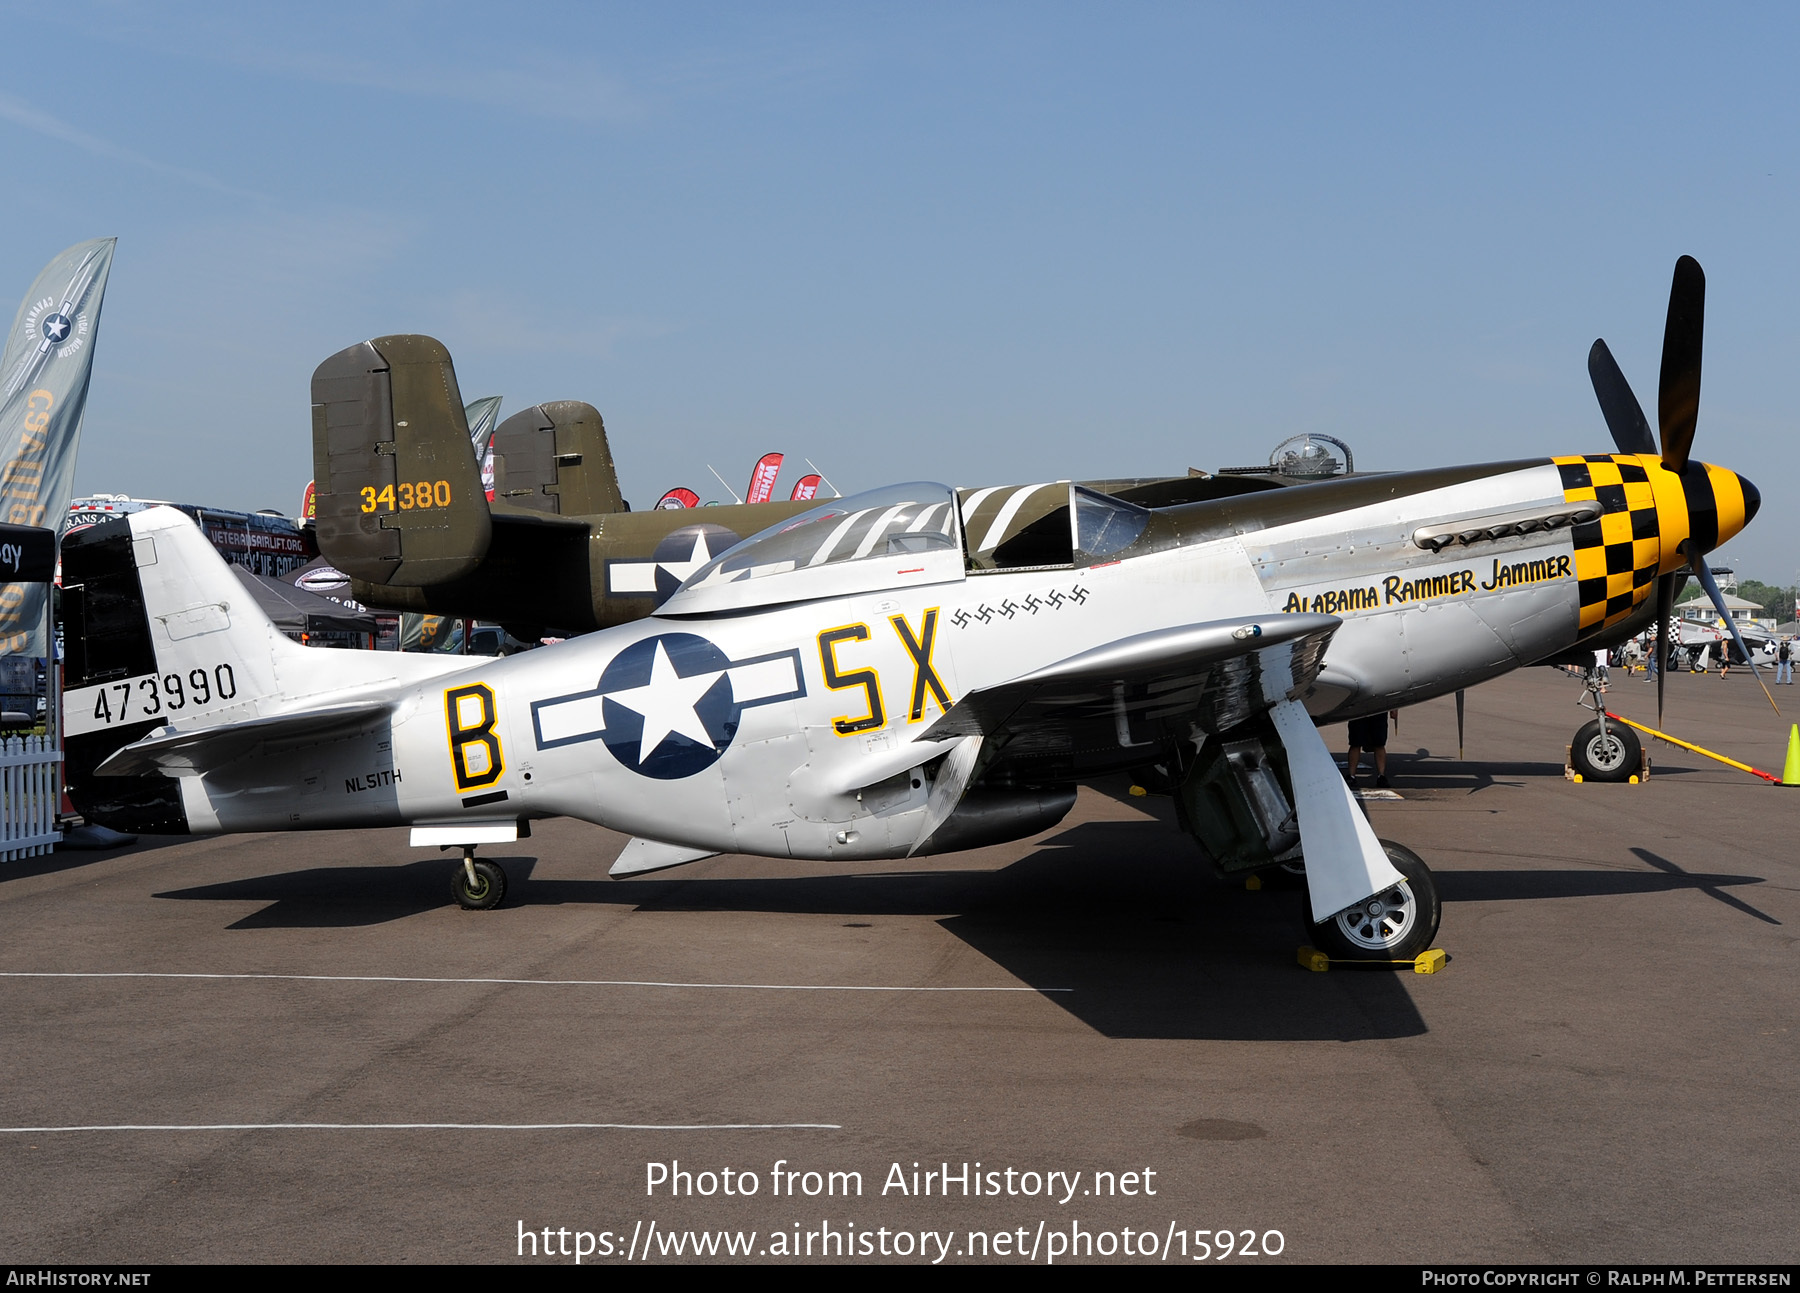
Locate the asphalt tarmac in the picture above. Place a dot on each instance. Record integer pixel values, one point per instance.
(319, 1058)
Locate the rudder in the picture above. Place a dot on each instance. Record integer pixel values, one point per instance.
(554, 458)
(400, 499)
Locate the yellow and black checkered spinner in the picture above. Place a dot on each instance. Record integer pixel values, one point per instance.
(1648, 512)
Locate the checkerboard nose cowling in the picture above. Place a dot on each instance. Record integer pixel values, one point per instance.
(1648, 513)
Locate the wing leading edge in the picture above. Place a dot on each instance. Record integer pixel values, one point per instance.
(1212, 675)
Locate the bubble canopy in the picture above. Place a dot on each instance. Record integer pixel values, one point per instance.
(895, 537)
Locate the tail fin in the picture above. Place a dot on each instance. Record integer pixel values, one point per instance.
(554, 458)
(161, 634)
(400, 499)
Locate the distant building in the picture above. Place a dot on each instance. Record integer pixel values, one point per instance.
(1743, 612)
(265, 543)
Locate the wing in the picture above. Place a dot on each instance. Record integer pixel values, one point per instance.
(1135, 698)
(1142, 691)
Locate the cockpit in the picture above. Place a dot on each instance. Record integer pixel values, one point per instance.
(896, 537)
(1055, 525)
(909, 535)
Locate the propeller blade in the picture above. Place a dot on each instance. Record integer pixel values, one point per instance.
(1665, 607)
(1678, 394)
(1704, 574)
(1624, 415)
(1459, 724)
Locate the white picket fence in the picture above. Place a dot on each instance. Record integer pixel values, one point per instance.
(29, 791)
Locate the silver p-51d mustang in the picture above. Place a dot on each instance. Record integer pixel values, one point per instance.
(876, 679)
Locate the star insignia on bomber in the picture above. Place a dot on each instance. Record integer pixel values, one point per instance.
(667, 706)
(678, 555)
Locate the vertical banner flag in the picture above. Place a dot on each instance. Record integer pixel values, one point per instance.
(805, 487)
(676, 499)
(44, 371)
(483, 416)
(762, 480)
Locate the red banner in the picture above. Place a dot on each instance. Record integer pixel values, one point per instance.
(762, 480)
(309, 510)
(805, 487)
(676, 499)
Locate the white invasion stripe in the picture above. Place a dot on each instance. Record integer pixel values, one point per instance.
(997, 530)
(819, 558)
(435, 1126)
(877, 530)
(764, 678)
(539, 983)
(976, 499)
(582, 716)
(925, 516)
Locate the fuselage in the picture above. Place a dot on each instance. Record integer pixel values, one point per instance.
(772, 728)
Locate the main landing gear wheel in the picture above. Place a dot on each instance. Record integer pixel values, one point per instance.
(1394, 925)
(1613, 755)
(477, 884)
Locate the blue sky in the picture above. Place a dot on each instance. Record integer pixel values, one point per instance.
(976, 243)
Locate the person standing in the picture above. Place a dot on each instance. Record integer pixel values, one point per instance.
(1784, 665)
(1371, 734)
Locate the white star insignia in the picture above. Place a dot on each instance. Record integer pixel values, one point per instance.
(698, 557)
(667, 704)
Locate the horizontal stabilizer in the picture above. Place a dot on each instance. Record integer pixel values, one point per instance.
(200, 750)
(641, 856)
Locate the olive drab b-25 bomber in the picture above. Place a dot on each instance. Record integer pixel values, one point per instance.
(859, 681)
(402, 511)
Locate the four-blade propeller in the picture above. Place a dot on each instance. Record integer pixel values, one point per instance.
(1677, 414)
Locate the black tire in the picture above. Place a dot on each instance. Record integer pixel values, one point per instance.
(1616, 756)
(1395, 925)
(487, 891)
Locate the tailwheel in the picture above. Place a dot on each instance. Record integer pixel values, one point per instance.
(477, 885)
(1394, 925)
(1615, 754)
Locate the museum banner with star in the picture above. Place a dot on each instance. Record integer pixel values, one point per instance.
(43, 392)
